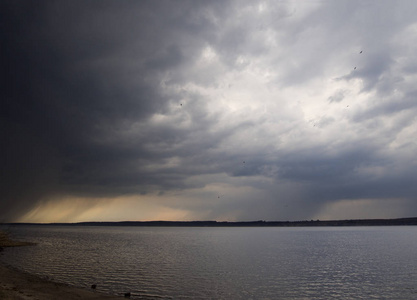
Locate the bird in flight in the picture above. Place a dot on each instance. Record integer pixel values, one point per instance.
(360, 52)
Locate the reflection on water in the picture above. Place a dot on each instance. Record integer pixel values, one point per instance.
(226, 263)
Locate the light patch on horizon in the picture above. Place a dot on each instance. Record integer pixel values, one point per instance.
(180, 205)
(133, 208)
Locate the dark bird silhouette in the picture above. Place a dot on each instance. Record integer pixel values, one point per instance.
(360, 52)
(127, 295)
(94, 286)
(354, 68)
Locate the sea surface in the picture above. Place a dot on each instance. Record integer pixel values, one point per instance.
(225, 263)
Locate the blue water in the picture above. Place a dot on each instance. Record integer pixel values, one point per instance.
(225, 263)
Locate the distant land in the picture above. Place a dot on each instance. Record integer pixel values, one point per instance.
(311, 223)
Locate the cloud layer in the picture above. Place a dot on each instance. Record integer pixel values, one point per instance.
(208, 110)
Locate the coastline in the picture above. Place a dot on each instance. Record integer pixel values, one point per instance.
(19, 285)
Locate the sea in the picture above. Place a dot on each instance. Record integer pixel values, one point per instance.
(224, 262)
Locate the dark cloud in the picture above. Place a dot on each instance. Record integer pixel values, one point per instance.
(74, 75)
(109, 98)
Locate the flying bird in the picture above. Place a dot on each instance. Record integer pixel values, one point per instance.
(354, 68)
(360, 52)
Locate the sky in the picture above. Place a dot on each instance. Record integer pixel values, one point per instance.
(208, 110)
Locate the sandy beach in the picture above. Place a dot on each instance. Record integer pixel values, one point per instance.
(18, 285)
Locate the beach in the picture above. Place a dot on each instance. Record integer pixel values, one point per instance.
(18, 285)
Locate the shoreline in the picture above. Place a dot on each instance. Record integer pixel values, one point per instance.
(19, 285)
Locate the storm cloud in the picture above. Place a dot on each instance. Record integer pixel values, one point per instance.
(226, 110)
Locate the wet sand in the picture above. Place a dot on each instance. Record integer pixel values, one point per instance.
(18, 285)
(15, 285)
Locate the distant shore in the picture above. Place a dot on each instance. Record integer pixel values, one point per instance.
(261, 223)
(18, 285)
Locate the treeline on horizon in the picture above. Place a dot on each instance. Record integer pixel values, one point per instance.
(311, 223)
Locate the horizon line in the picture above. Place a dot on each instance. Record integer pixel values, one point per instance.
(215, 222)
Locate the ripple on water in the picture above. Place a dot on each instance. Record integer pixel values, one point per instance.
(226, 263)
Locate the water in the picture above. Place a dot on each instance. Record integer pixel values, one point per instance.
(225, 263)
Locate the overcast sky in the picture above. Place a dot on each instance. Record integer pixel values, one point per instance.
(208, 110)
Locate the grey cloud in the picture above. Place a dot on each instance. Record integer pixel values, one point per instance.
(338, 96)
(392, 108)
(85, 80)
